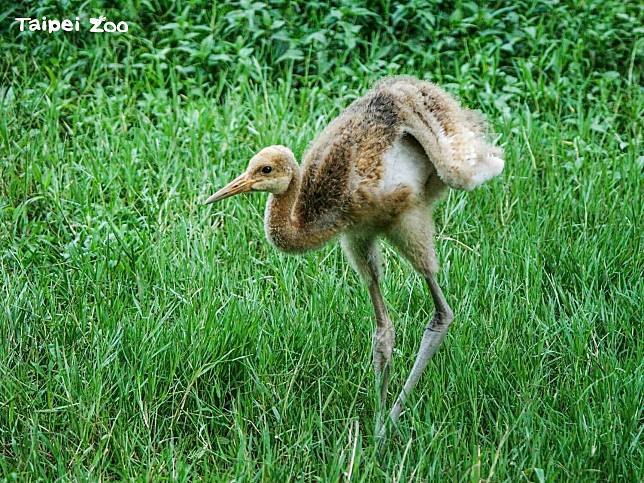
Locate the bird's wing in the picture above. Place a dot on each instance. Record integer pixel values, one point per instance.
(323, 191)
(453, 137)
(345, 157)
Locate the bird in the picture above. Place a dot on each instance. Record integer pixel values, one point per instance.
(375, 172)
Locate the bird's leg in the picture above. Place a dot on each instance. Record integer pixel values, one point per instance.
(412, 235)
(434, 334)
(382, 348)
(363, 254)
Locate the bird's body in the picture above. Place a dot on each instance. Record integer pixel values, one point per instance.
(375, 171)
(379, 158)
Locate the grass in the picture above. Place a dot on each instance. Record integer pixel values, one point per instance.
(145, 336)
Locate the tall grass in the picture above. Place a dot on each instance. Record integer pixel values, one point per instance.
(145, 336)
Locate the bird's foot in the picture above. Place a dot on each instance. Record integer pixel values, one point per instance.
(381, 435)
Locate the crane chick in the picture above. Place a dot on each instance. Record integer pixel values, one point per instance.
(375, 171)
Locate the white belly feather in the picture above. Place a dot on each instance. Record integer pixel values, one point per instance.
(405, 164)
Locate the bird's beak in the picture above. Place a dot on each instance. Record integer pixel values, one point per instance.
(241, 184)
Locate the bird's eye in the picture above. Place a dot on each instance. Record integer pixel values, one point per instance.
(266, 169)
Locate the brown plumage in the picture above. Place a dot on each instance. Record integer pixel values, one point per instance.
(375, 171)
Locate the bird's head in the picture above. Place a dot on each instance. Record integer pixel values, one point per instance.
(269, 170)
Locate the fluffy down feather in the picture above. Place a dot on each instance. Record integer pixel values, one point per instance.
(453, 137)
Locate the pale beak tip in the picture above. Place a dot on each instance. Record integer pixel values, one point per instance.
(211, 199)
(238, 185)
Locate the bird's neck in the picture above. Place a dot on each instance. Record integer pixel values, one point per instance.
(285, 230)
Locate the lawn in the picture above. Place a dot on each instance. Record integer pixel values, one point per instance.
(146, 336)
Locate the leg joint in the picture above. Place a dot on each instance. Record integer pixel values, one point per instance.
(446, 315)
(442, 320)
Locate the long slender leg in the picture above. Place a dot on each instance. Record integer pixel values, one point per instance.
(364, 256)
(413, 236)
(432, 338)
(383, 341)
